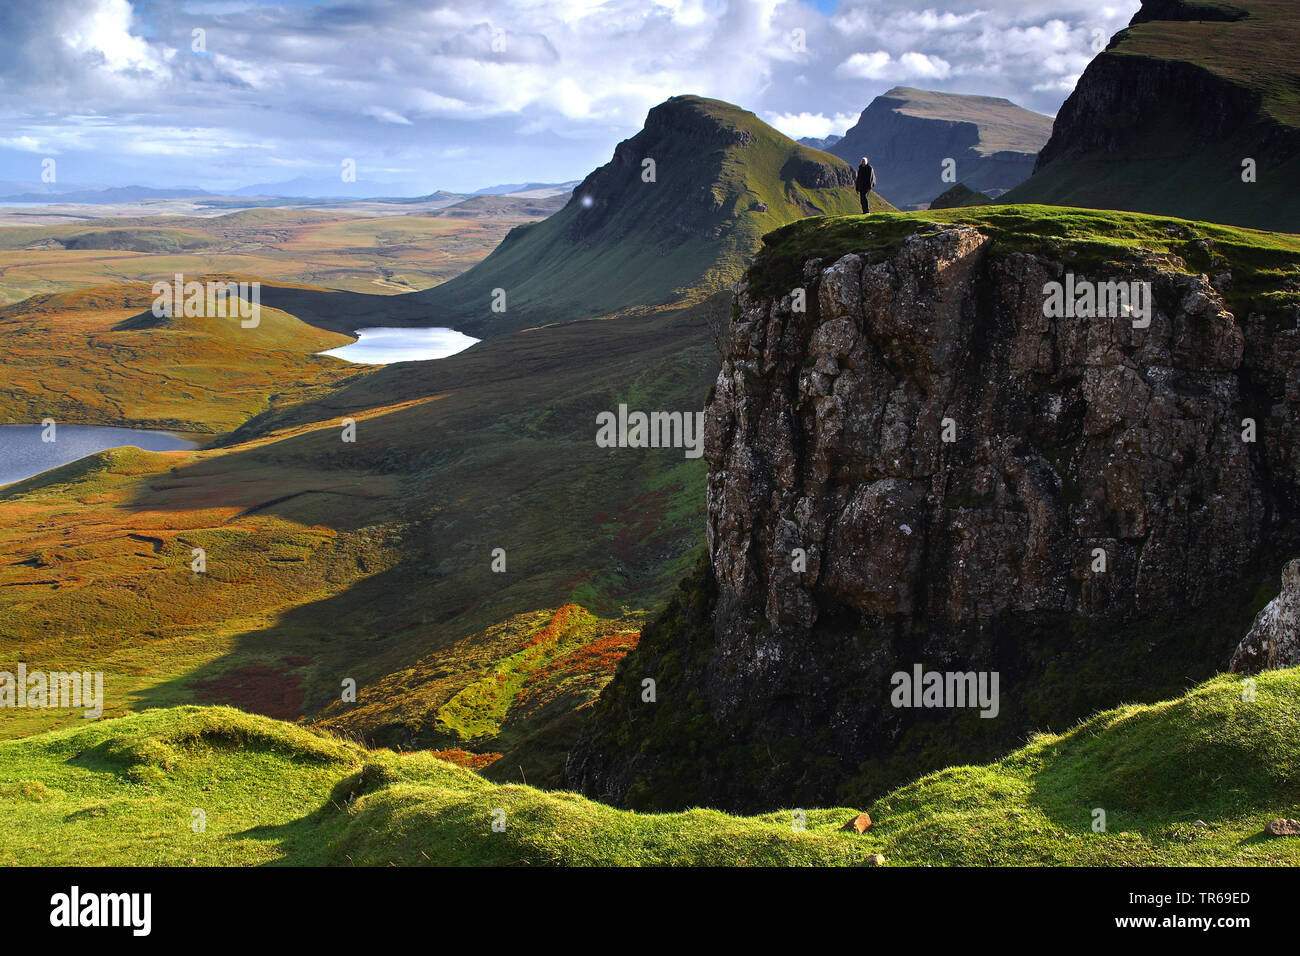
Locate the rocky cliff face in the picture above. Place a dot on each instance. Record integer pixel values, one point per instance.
(924, 468)
(909, 134)
(1163, 120)
(1069, 435)
(1116, 104)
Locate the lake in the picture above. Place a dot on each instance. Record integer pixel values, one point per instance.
(23, 454)
(381, 346)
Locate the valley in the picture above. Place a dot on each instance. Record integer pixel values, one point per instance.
(689, 515)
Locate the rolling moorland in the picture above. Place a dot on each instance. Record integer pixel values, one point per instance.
(315, 248)
(128, 792)
(371, 560)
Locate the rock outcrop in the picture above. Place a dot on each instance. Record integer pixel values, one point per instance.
(925, 469)
(1069, 437)
(1274, 638)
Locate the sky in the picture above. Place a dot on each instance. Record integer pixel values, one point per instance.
(449, 94)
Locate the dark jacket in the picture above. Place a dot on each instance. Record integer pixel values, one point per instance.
(866, 178)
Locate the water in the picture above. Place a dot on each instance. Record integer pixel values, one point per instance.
(385, 346)
(23, 454)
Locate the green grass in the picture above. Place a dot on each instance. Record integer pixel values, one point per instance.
(1248, 42)
(98, 356)
(1264, 265)
(125, 792)
(1154, 769)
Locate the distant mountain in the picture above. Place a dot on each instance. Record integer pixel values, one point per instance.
(825, 143)
(553, 189)
(675, 213)
(112, 194)
(960, 195)
(1165, 118)
(489, 206)
(909, 133)
(14, 188)
(304, 187)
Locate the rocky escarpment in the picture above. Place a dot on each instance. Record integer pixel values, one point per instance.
(922, 468)
(1187, 113)
(910, 134)
(1068, 436)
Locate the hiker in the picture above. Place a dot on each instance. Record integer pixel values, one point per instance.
(866, 182)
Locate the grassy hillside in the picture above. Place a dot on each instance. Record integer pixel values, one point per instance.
(99, 357)
(371, 560)
(1162, 120)
(1186, 782)
(960, 195)
(722, 179)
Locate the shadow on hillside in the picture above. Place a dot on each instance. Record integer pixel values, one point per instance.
(306, 840)
(299, 840)
(341, 311)
(497, 451)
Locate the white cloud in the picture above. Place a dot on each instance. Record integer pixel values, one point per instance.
(816, 125)
(866, 66)
(922, 65)
(310, 82)
(104, 32)
(385, 115)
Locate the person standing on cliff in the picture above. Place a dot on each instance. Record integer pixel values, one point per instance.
(866, 182)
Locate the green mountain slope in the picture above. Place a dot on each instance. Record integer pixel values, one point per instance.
(960, 195)
(1162, 120)
(1185, 782)
(722, 178)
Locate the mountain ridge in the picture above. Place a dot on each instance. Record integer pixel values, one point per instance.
(721, 178)
(1166, 119)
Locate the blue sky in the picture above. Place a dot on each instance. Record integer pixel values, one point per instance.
(460, 95)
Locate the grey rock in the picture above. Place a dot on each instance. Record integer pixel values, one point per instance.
(1274, 638)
